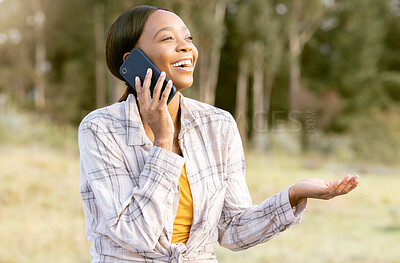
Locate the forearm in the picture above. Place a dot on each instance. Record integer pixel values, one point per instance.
(259, 223)
(295, 196)
(134, 208)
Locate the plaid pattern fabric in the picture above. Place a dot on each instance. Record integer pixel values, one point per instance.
(130, 191)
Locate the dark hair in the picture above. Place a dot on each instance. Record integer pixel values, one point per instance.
(123, 36)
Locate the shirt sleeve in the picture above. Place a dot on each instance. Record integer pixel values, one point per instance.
(134, 210)
(243, 225)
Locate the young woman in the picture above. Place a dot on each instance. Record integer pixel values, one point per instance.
(164, 183)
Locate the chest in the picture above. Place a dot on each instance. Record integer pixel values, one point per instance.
(206, 156)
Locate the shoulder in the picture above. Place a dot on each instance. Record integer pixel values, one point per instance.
(208, 112)
(212, 121)
(105, 118)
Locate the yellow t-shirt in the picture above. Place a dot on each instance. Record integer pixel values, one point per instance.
(184, 215)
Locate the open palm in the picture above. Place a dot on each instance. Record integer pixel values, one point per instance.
(322, 189)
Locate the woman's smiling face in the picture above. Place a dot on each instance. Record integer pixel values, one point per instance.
(168, 43)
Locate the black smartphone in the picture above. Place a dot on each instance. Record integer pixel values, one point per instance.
(136, 64)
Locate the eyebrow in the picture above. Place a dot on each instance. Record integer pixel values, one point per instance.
(168, 28)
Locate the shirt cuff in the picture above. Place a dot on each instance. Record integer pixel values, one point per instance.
(288, 214)
(166, 161)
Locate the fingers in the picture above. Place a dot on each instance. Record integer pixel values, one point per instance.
(347, 184)
(139, 91)
(352, 183)
(157, 89)
(334, 186)
(143, 92)
(147, 81)
(166, 93)
(343, 184)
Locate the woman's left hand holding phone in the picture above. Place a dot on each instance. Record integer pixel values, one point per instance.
(155, 111)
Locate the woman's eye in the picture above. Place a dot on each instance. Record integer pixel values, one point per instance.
(190, 38)
(167, 38)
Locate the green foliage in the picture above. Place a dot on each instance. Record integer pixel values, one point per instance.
(372, 138)
(353, 53)
(376, 136)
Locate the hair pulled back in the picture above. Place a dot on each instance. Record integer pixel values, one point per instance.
(123, 36)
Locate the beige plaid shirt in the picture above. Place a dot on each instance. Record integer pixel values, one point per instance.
(130, 191)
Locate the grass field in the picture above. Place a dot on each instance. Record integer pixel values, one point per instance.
(41, 218)
(362, 227)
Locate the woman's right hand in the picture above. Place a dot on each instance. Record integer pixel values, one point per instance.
(155, 111)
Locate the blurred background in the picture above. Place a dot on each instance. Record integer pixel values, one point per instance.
(314, 87)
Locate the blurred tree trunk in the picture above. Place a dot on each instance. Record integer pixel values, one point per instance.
(215, 56)
(294, 72)
(259, 115)
(298, 37)
(24, 64)
(275, 48)
(303, 21)
(99, 51)
(268, 84)
(256, 22)
(40, 55)
(203, 72)
(271, 68)
(241, 98)
(210, 60)
(294, 55)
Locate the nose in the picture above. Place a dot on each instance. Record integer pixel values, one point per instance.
(183, 46)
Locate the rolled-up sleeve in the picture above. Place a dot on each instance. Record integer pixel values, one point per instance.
(242, 224)
(134, 208)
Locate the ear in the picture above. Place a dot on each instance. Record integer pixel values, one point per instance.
(126, 56)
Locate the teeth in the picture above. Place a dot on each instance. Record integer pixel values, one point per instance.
(183, 62)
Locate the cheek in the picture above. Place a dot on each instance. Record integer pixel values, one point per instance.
(195, 50)
(195, 53)
(158, 56)
(161, 63)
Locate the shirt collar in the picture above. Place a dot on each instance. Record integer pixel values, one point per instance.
(136, 134)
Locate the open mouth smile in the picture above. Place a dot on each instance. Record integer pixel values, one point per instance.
(184, 64)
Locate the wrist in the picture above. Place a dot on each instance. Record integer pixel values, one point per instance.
(294, 196)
